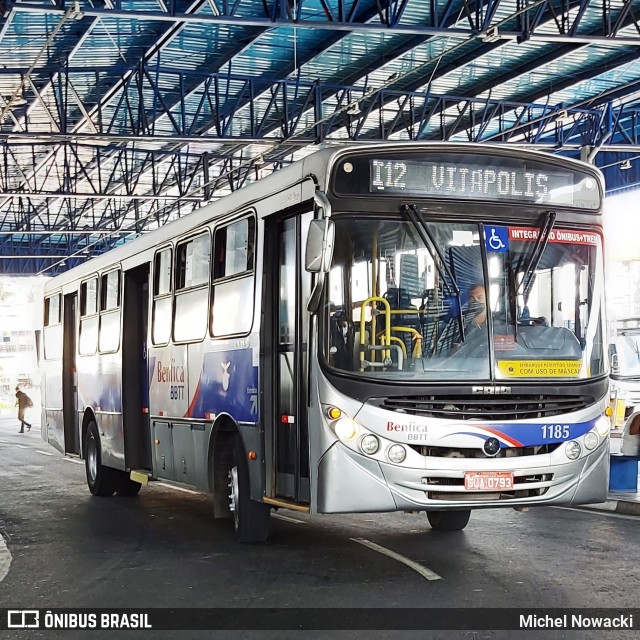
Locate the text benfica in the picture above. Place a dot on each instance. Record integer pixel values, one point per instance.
(172, 373)
(576, 622)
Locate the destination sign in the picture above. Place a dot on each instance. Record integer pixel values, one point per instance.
(471, 180)
(470, 176)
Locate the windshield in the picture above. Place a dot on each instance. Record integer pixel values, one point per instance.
(416, 300)
(627, 350)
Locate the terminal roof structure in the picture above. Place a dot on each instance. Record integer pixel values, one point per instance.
(117, 116)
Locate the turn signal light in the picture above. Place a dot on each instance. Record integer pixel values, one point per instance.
(252, 455)
(608, 412)
(334, 413)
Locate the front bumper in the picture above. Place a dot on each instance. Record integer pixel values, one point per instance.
(349, 482)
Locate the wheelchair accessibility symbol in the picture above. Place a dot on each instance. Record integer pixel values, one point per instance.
(497, 239)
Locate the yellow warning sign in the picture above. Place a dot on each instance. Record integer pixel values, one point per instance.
(540, 368)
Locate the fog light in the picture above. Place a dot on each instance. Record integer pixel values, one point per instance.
(572, 449)
(396, 453)
(591, 440)
(369, 444)
(346, 429)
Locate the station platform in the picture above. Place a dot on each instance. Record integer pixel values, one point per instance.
(623, 502)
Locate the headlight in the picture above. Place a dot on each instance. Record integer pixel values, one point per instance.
(603, 426)
(591, 440)
(572, 449)
(369, 444)
(396, 453)
(346, 429)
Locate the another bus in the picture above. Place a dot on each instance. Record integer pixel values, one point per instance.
(624, 352)
(317, 341)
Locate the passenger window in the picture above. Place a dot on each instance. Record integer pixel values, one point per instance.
(88, 340)
(193, 258)
(161, 319)
(52, 310)
(52, 328)
(110, 291)
(109, 337)
(89, 297)
(234, 248)
(192, 263)
(233, 278)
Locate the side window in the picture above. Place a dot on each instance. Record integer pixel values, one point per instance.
(192, 262)
(193, 259)
(234, 248)
(52, 328)
(89, 297)
(52, 310)
(233, 278)
(88, 342)
(110, 291)
(109, 337)
(161, 322)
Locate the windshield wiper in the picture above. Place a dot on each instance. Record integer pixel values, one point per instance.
(441, 264)
(541, 242)
(513, 297)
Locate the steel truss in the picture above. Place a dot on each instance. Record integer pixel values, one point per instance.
(158, 141)
(565, 16)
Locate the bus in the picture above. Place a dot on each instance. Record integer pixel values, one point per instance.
(624, 353)
(402, 327)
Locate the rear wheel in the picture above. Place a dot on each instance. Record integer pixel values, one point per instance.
(449, 520)
(102, 481)
(250, 518)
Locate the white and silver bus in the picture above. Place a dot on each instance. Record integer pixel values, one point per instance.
(399, 327)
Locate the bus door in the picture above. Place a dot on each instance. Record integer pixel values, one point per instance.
(135, 370)
(284, 374)
(70, 376)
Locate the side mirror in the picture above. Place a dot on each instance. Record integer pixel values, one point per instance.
(319, 251)
(615, 363)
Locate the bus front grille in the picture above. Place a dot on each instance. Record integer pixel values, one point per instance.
(484, 408)
(506, 452)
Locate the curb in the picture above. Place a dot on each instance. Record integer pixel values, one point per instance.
(626, 507)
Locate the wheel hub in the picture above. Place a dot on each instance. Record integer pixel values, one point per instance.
(234, 494)
(92, 460)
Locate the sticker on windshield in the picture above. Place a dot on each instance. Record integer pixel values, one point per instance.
(557, 235)
(540, 368)
(497, 239)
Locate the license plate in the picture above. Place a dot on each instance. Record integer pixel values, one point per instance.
(488, 481)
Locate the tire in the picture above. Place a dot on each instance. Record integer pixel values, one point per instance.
(449, 520)
(128, 487)
(101, 480)
(250, 518)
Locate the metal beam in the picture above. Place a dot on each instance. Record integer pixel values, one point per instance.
(562, 34)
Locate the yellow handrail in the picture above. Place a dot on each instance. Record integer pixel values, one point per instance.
(396, 339)
(417, 336)
(387, 328)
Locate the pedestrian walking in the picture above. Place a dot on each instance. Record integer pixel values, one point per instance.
(23, 402)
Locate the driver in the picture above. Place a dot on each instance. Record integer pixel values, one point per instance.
(476, 309)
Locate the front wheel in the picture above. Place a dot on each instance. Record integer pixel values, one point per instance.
(250, 518)
(102, 481)
(449, 520)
